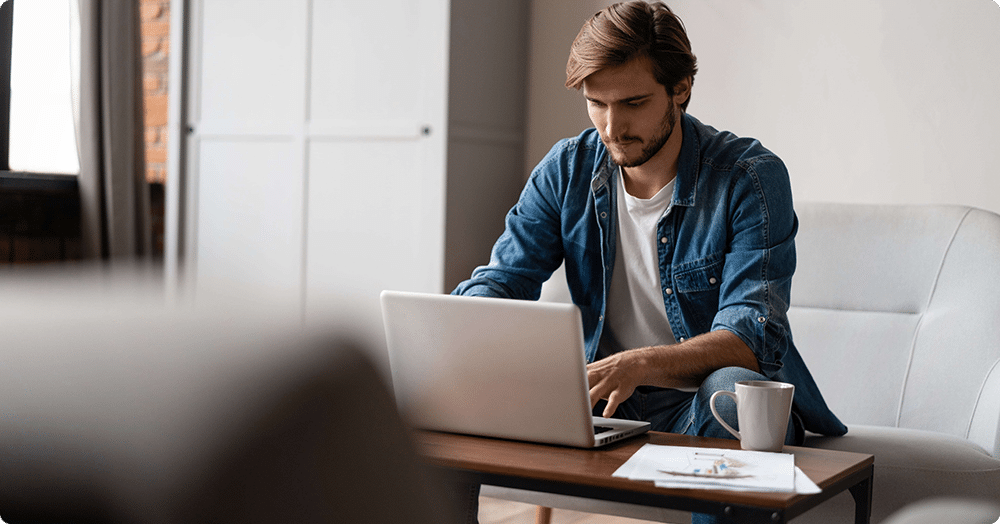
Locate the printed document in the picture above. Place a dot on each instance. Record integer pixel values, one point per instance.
(711, 468)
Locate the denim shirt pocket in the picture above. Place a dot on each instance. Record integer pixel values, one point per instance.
(697, 286)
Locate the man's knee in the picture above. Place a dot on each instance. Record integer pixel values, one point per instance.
(725, 379)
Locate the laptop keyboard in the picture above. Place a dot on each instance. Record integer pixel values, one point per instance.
(601, 429)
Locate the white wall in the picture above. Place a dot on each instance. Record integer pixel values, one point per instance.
(888, 101)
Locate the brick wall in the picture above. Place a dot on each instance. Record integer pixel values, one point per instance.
(155, 18)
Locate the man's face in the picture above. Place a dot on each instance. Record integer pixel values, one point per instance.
(634, 114)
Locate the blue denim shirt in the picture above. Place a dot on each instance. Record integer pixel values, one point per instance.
(726, 250)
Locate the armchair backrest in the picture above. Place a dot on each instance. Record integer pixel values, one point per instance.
(896, 311)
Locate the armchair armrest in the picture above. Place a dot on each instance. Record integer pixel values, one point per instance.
(984, 428)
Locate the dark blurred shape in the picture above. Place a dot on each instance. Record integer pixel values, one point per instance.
(328, 449)
(137, 412)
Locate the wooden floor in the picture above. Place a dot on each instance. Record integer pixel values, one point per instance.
(494, 511)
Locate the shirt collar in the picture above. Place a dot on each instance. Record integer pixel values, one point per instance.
(687, 165)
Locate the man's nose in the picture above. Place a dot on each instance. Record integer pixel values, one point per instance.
(615, 125)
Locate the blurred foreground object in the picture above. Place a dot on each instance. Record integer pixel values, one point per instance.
(117, 407)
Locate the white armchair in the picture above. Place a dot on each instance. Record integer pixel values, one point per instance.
(896, 310)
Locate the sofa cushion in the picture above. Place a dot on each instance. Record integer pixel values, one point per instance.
(910, 465)
(934, 511)
(910, 449)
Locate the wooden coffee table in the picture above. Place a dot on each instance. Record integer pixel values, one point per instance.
(588, 473)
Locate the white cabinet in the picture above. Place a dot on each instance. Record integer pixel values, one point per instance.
(319, 161)
(376, 152)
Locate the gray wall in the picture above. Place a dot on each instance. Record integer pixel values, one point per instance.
(486, 126)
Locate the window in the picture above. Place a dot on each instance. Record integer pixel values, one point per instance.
(39, 158)
(37, 130)
(39, 194)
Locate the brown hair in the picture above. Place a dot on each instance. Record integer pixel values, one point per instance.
(621, 32)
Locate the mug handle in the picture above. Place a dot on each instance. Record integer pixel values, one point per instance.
(711, 404)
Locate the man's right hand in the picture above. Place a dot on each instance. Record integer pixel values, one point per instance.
(615, 378)
(681, 365)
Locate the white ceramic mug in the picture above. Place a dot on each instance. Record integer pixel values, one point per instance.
(762, 410)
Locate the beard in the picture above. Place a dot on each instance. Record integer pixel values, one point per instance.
(649, 147)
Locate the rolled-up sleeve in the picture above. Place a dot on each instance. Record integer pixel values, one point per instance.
(759, 262)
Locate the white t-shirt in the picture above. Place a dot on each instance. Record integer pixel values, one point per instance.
(636, 316)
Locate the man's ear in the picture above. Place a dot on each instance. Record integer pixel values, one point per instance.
(682, 91)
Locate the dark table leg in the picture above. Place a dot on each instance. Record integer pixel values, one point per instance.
(862, 493)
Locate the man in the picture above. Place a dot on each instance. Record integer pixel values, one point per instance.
(677, 239)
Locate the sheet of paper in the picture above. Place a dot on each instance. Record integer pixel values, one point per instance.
(803, 485)
(711, 468)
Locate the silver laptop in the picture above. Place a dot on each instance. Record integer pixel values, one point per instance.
(493, 367)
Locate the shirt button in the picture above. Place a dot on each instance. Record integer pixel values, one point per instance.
(668, 291)
(761, 320)
(604, 215)
(712, 280)
(663, 240)
(680, 339)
